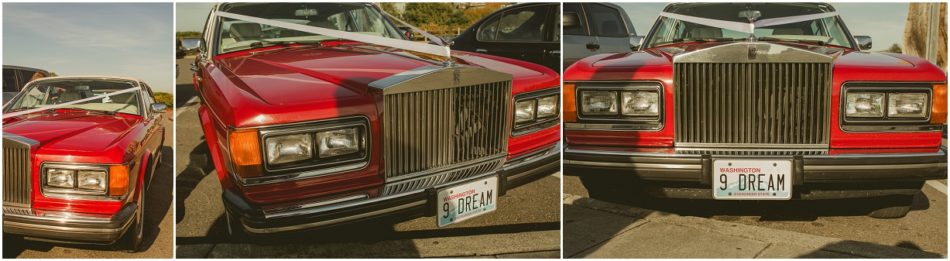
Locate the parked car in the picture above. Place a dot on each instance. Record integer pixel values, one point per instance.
(78, 172)
(528, 32)
(596, 28)
(325, 130)
(796, 110)
(15, 77)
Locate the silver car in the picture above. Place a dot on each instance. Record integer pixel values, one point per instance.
(594, 28)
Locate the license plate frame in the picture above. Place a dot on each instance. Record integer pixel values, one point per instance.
(735, 179)
(469, 194)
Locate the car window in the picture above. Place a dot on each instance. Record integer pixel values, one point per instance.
(147, 97)
(606, 21)
(518, 25)
(10, 83)
(488, 29)
(53, 92)
(581, 28)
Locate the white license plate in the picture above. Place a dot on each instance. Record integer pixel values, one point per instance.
(467, 200)
(735, 179)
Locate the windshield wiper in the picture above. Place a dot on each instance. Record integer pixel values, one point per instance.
(284, 43)
(698, 40)
(776, 39)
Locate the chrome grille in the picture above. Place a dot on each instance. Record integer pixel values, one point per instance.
(434, 130)
(751, 104)
(16, 173)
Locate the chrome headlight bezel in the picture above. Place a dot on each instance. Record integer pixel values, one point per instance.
(360, 157)
(620, 116)
(74, 191)
(536, 122)
(889, 91)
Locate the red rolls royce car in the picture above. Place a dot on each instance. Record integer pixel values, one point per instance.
(748, 101)
(309, 130)
(78, 155)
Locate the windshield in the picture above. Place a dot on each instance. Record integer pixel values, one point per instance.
(238, 35)
(821, 31)
(49, 93)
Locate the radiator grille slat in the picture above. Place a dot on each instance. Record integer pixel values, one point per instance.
(16, 174)
(761, 104)
(433, 130)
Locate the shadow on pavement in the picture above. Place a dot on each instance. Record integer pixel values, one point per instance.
(840, 249)
(198, 167)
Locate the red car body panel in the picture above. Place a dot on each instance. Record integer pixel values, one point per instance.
(280, 85)
(655, 64)
(75, 136)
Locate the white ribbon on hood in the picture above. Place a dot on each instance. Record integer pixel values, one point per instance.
(747, 27)
(65, 104)
(377, 40)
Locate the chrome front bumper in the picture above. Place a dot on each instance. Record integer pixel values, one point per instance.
(820, 175)
(420, 202)
(66, 226)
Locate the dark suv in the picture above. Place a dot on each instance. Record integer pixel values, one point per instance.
(528, 32)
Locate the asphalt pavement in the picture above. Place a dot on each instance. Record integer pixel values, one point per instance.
(158, 222)
(525, 225)
(826, 229)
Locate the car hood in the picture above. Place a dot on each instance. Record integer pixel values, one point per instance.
(303, 74)
(298, 83)
(620, 66)
(72, 132)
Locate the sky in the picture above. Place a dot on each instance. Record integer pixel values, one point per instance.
(884, 22)
(191, 16)
(117, 39)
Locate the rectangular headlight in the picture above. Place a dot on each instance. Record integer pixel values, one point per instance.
(339, 142)
(548, 106)
(599, 103)
(525, 111)
(641, 103)
(288, 148)
(60, 178)
(865, 104)
(907, 105)
(94, 180)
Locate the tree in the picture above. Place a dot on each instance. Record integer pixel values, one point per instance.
(894, 49)
(166, 98)
(435, 17)
(390, 8)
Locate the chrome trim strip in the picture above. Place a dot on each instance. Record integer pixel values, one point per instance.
(287, 211)
(334, 221)
(750, 145)
(697, 166)
(628, 153)
(20, 139)
(874, 167)
(62, 217)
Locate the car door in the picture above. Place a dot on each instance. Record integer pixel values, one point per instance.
(552, 50)
(153, 126)
(576, 34)
(608, 27)
(517, 33)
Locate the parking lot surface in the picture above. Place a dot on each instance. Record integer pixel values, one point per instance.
(922, 230)
(159, 227)
(525, 224)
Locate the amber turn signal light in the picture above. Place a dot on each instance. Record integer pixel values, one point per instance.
(118, 180)
(938, 111)
(245, 153)
(570, 106)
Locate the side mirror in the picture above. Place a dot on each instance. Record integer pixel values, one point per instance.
(635, 42)
(158, 107)
(570, 19)
(864, 42)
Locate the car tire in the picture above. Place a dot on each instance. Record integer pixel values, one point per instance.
(898, 207)
(132, 241)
